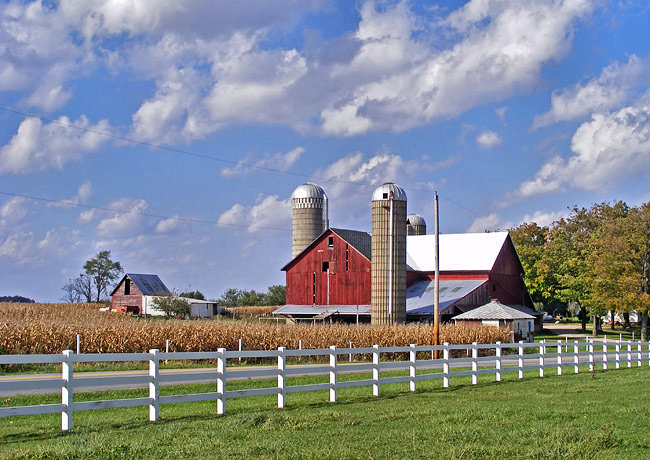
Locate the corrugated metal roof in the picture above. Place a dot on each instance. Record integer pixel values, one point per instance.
(493, 310)
(458, 251)
(420, 295)
(319, 309)
(361, 241)
(148, 284)
(524, 309)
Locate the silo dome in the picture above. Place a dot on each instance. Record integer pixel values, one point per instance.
(310, 216)
(308, 190)
(415, 225)
(383, 192)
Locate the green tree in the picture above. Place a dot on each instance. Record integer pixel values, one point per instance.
(171, 305)
(102, 271)
(198, 295)
(251, 298)
(277, 295)
(530, 240)
(230, 297)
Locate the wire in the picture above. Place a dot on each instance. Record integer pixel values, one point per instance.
(146, 214)
(210, 157)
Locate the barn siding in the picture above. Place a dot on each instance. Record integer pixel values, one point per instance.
(132, 301)
(351, 287)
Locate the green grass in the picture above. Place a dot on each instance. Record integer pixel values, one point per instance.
(603, 415)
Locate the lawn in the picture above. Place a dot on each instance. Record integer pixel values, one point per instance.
(603, 415)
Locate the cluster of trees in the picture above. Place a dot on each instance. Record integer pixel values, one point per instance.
(276, 295)
(16, 298)
(99, 273)
(597, 258)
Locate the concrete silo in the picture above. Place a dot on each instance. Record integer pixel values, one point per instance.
(388, 264)
(415, 225)
(309, 211)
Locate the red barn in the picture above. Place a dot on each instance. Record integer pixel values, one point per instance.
(332, 275)
(133, 289)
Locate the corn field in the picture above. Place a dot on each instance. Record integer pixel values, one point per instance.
(52, 328)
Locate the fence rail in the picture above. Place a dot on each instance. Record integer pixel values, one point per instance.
(546, 355)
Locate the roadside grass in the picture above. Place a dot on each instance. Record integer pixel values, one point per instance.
(601, 415)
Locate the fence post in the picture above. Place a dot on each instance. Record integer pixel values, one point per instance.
(282, 368)
(375, 370)
(521, 359)
(576, 357)
(78, 344)
(590, 347)
(333, 374)
(445, 365)
(221, 381)
(629, 354)
(618, 353)
(66, 390)
(605, 353)
(638, 357)
(542, 351)
(412, 368)
(497, 361)
(350, 357)
(474, 363)
(240, 350)
(559, 357)
(154, 390)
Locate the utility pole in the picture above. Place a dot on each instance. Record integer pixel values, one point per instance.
(436, 301)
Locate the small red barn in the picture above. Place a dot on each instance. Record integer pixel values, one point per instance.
(133, 289)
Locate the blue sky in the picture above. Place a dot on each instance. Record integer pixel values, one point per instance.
(172, 133)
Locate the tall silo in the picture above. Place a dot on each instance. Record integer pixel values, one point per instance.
(309, 204)
(415, 225)
(388, 277)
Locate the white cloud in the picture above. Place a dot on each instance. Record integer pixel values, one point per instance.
(123, 224)
(168, 225)
(502, 48)
(87, 216)
(36, 146)
(543, 218)
(488, 139)
(279, 161)
(486, 223)
(84, 191)
(608, 149)
(607, 91)
(267, 212)
(12, 211)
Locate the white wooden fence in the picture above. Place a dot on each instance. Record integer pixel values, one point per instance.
(497, 360)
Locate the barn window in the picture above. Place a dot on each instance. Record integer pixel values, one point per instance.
(494, 288)
(330, 242)
(313, 288)
(347, 255)
(326, 266)
(127, 287)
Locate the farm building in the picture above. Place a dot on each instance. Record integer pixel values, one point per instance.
(332, 276)
(137, 291)
(496, 314)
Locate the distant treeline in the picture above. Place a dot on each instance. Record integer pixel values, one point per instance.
(16, 298)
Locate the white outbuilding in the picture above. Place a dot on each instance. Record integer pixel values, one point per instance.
(494, 313)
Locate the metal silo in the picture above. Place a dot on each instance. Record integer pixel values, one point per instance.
(309, 210)
(388, 298)
(415, 225)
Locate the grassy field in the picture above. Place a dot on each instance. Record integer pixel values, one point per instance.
(604, 415)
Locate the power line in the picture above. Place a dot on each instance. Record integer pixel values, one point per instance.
(141, 213)
(213, 158)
